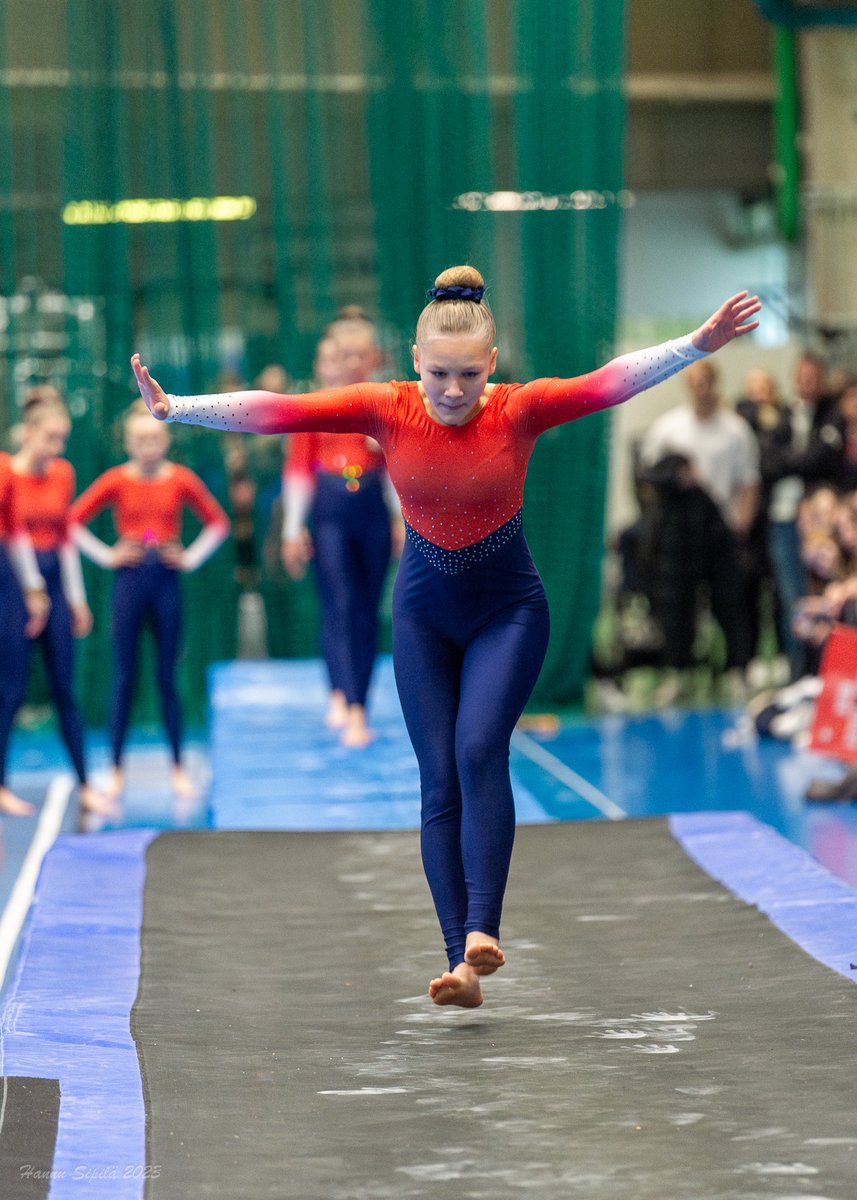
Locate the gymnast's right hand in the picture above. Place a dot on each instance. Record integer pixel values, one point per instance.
(157, 400)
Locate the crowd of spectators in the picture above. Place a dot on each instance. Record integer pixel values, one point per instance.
(747, 524)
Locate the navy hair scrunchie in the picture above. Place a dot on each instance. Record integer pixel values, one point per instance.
(457, 293)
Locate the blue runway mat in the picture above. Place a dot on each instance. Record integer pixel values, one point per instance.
(275, 765)
(66, 1013)
(67, 1016)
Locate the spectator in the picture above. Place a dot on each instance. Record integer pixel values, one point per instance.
(705, 448)
(764, 409)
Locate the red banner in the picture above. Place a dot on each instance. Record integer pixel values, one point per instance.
(834, 726)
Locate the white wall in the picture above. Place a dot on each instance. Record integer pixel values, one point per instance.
(680, 259)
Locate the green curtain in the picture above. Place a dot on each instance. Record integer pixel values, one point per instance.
(378, 141)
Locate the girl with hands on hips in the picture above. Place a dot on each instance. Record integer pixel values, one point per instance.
(147, 495)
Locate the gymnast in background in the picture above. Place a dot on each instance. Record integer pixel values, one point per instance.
(147, 495)
(43, 485)
(340, 511)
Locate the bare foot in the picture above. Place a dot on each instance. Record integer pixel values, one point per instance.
(14, 805)
(459, 987)
(483, 953)
(92, 801)
(337, 711)
(182, 784)
(116, 785)
(356, 739)
(356, 733)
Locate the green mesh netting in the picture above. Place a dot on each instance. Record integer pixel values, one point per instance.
(366, 142)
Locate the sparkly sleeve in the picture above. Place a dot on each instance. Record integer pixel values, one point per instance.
(359, 408)
(545, 403)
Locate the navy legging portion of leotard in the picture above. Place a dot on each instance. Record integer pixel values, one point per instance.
(14, 655)
(147, 593)
(470, 631)
(57, 645)
(351, 539)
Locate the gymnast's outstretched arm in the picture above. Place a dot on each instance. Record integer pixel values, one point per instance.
(352, 409)
(548, 402)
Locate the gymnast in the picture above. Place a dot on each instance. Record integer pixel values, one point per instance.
(147, 495)
(470, 620)
(43, 484)
(337, 483)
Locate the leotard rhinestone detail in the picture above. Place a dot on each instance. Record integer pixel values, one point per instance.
(454, 562)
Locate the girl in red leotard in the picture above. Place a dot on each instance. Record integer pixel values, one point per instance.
(44, 486)
(469, 612)
(147, 496)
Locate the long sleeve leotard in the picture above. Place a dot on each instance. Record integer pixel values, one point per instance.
(470, 621)
(13, 533)
(148, 510)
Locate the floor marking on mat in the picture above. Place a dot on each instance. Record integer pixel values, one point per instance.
(587, 791)
(20, 898)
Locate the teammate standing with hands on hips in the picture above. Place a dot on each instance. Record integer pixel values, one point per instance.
(470, 620)
(147, 495)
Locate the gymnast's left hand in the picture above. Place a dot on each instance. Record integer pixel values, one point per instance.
(732, 320)
(157, 400)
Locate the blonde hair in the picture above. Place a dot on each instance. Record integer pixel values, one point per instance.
(453, 315)
(351, 314)
(135, 412)
(41, 401)
(352, 320)
(137, 408)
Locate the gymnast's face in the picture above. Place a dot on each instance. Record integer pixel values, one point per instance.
(361, 355)
(453, 373)
(146, 442)
(45, 438)
(328, 367)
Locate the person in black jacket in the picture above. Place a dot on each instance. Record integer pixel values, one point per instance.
(686, 548)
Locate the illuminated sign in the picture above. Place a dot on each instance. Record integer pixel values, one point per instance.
(582, 200)
(144, 212)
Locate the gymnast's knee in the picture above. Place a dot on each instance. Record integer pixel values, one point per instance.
(478, 753)
(441, 802)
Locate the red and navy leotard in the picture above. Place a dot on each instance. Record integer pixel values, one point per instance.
(470, 623)
(43, 502)
(148, 509)
(349, 455)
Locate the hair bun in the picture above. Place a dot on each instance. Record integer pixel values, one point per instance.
(353, 312)
(457, 292)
